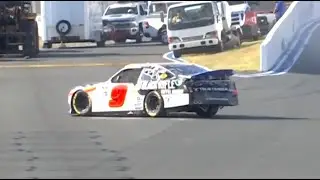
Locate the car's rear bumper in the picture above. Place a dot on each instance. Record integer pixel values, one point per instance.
(214, 98)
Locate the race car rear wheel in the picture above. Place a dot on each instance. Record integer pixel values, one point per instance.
(207, 112)
(81, 103)
(153, 104)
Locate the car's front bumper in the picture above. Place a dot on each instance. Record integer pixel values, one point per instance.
(193, 44)
(128, 33)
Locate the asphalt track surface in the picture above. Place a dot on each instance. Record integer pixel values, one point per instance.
(273, 133)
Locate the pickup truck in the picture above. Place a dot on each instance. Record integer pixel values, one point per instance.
(122, 21)
(266, 20)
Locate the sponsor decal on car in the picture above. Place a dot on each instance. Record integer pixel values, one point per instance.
(162, 84)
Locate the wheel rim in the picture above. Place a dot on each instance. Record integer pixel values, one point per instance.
(81, 102)
(153, 104)
(164, 37)
(213, 110)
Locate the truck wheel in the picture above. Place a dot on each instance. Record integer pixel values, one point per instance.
(120, 40)
(219, 47)
(64, 30)
(163, 37)
(177, 53)
(153, 104)
(210, 112)
(238, 35)
(139, 36)
(81, 103)
(101, 43)
(31, 42)
(255, 38)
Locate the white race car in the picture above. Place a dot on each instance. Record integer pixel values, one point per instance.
(154, 89)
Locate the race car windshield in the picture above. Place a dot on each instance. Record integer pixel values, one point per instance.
(122, 10)
(180, 69)
(190, 16)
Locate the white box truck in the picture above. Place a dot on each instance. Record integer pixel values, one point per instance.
(201, 24)
(71, 21)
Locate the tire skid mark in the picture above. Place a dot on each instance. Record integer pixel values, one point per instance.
(113, 157)
(20, 142)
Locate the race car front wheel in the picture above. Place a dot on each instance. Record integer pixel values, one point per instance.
(81, 103)
(153, 104)
(208, 111)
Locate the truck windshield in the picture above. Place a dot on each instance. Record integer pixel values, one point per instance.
(122, 10)
(156, 8)
(190, 16)
(236, 2)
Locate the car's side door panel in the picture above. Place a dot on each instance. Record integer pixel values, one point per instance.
(124, 97)
(119, 93)
(99, 97)
(118, 97)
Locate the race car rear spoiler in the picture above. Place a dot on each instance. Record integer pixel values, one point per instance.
(216, 74)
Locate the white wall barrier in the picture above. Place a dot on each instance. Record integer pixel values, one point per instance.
(287, 32)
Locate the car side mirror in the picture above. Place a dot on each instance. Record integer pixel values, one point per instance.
(162, 16)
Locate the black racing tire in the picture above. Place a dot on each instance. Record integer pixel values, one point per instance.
(209, 113)
(64, 22)
(151, 111)
(177, 53)
(81, 97)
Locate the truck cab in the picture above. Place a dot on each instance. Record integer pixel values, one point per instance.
(123, 20)
(200, 24)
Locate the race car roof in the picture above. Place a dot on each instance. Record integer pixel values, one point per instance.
(141, 65)
(175, 68)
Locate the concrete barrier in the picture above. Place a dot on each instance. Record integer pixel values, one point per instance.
(287, 32)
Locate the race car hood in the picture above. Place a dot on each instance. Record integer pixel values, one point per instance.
(120, 17)
(212, 74)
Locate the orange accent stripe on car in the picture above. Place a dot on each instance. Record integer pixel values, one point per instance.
(87, 90)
